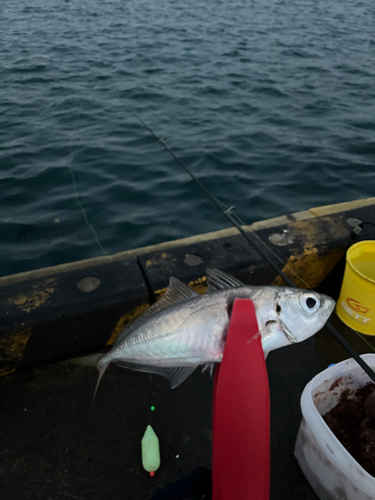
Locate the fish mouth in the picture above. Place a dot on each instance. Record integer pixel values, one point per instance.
(292, 338)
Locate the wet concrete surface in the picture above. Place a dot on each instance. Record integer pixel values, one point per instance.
(54, 445)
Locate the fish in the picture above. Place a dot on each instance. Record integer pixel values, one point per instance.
(184, 330)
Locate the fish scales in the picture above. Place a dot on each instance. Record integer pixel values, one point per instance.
(192, 331)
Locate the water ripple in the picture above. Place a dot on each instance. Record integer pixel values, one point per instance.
(270, 103)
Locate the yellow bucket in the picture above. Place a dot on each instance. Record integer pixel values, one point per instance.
(356, 304)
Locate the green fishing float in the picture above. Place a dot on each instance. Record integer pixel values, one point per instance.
(150, 450)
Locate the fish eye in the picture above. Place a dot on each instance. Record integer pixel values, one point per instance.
(278, 308)
(309, 302)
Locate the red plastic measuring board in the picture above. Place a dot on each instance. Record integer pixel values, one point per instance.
(241, 413)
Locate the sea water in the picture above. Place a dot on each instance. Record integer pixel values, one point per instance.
(271, 104)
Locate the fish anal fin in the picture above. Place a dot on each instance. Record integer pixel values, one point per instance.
(209, 367)
(174, 375)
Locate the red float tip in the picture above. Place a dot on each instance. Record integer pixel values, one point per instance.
(152, 473)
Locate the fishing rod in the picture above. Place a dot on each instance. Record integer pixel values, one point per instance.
(227, 213)
(250, 239)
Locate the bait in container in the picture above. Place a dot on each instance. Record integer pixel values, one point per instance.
(330, 469)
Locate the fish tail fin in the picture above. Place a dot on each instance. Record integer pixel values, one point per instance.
(89, 360)
(101, 367)
(95, 361)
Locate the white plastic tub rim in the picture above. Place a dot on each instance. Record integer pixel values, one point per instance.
(318, 398)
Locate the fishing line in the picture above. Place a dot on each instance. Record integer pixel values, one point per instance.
(68, 165)
(361, 336)
(90, 226)
(228, 212)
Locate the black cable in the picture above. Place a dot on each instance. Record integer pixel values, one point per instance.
(255, 244)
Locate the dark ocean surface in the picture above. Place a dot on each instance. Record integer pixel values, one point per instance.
(271, 104)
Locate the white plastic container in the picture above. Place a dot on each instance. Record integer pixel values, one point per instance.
(328, 466)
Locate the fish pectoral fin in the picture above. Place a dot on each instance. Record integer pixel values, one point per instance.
(175, 375)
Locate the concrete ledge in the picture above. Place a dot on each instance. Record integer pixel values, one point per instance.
(127, 254)
(58, 312)
(223, 233)
(341, 207)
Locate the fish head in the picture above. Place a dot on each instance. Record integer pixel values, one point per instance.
(296, 316)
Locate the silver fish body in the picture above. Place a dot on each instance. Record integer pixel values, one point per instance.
(184, 329)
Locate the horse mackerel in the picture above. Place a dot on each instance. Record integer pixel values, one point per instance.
(184, 329)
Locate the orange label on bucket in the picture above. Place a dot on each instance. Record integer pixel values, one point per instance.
(357, 306)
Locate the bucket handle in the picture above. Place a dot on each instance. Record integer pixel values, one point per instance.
(356, 231)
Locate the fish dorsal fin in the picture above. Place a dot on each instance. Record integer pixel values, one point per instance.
(176, 292)
(175, 375)
(218, 280)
